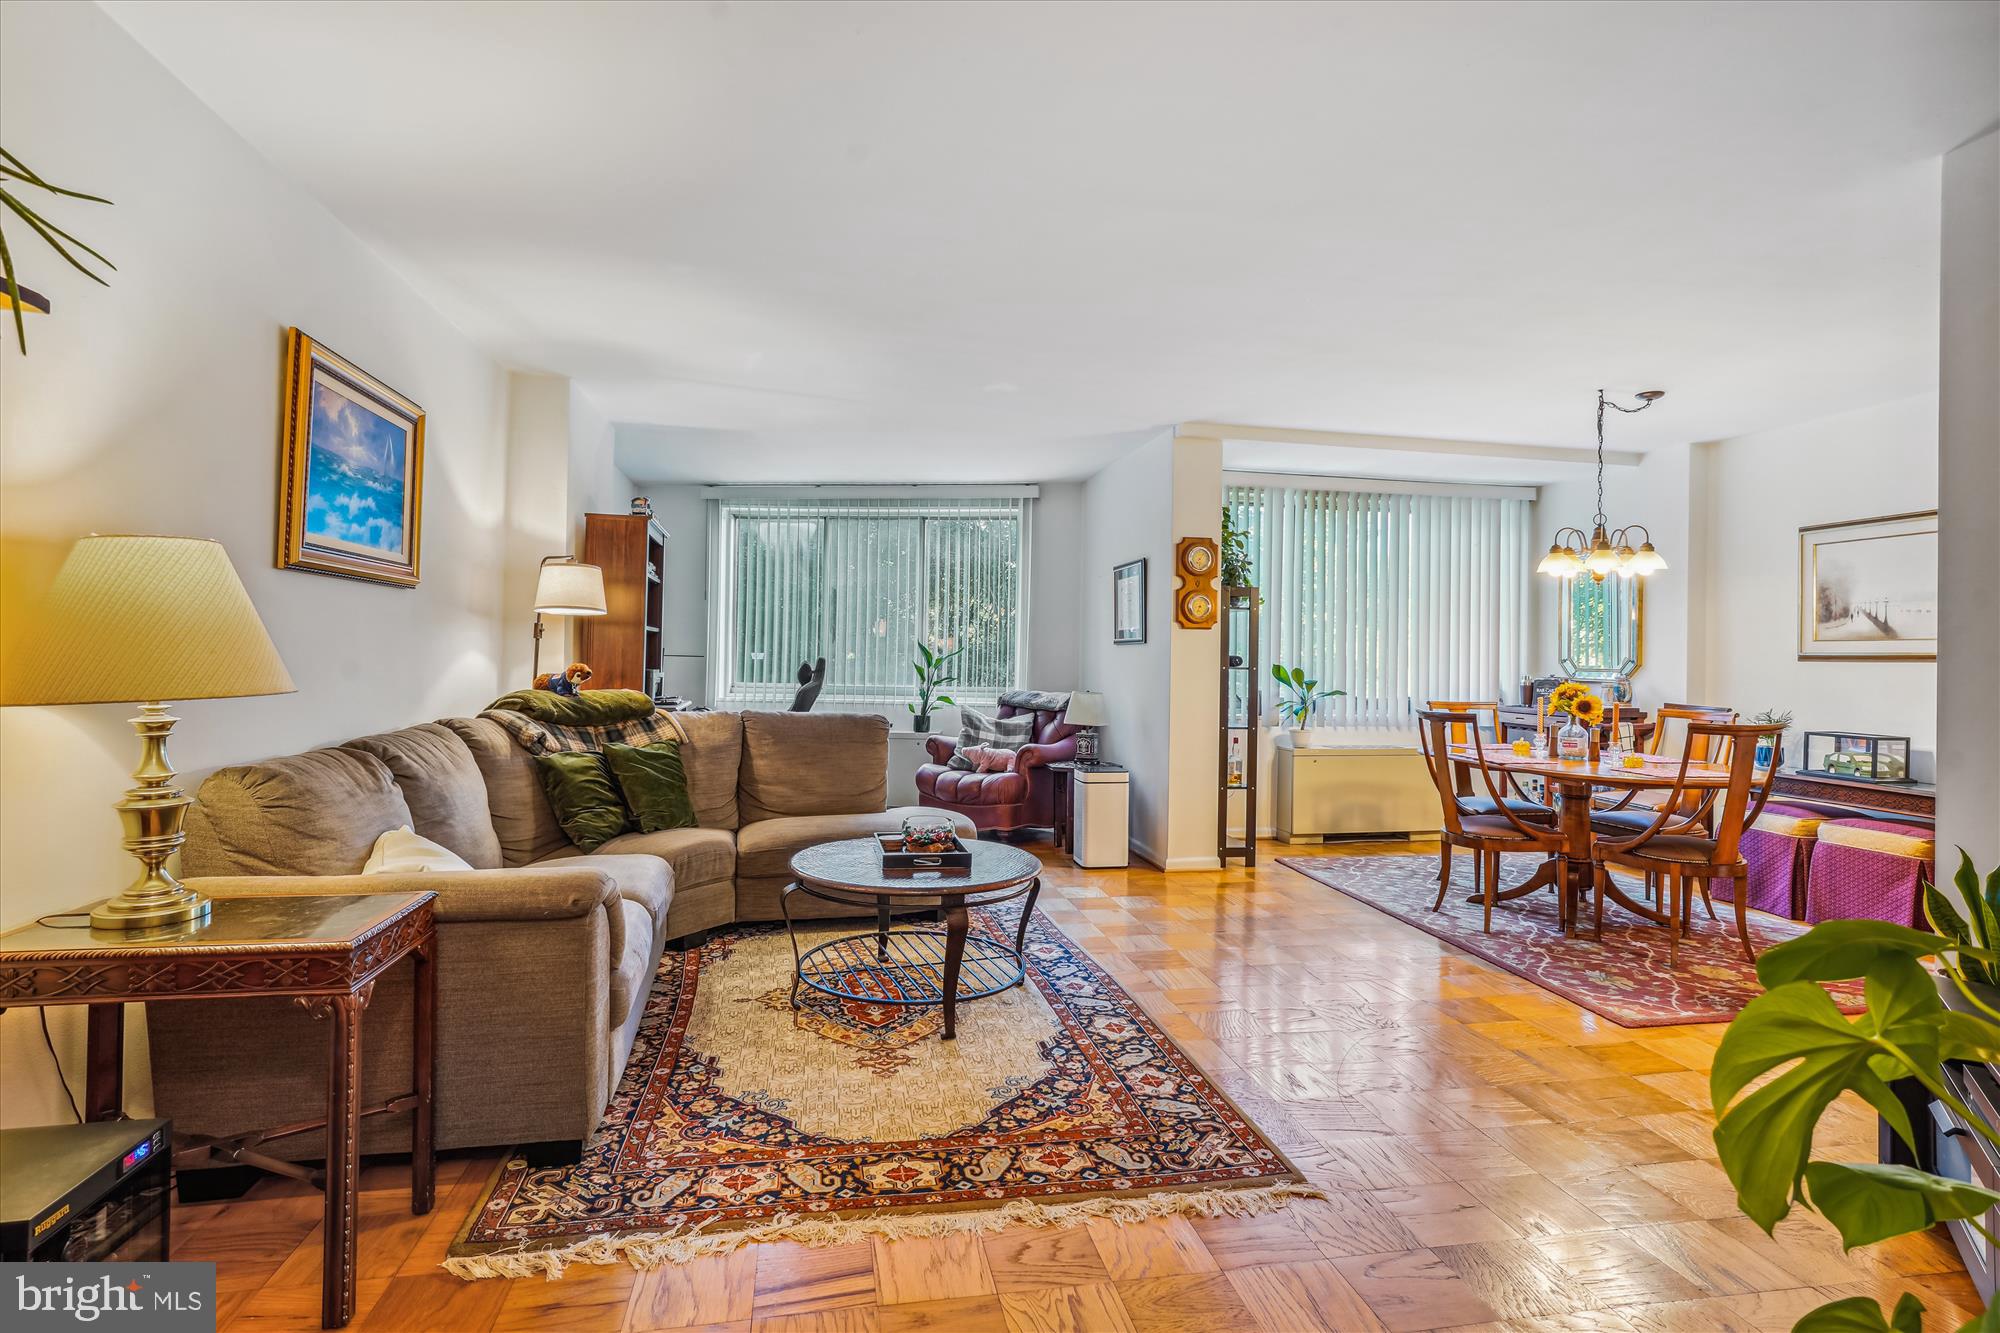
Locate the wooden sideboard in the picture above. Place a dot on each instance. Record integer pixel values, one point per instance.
(1902, 802)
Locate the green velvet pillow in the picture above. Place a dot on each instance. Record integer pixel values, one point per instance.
(585, 797)
(654, 783)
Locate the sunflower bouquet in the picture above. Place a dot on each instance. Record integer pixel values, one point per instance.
(1575, 699)
(1584, 709)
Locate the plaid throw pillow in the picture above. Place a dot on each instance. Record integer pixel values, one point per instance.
(994, 733)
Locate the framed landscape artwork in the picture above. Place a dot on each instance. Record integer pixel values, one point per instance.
(1868, 589)
(1128, 602)
(351, 478)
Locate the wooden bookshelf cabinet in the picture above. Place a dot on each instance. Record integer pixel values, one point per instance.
(623, 646)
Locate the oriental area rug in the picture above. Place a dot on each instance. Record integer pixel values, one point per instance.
(1625, 979)
(740, 1118)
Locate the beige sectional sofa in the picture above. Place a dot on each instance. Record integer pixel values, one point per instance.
(546, 953)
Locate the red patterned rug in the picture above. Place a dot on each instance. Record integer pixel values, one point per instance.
(740, 1117)
(1625, 979)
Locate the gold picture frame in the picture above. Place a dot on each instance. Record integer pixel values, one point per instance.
(350, 470)
(1868, 589)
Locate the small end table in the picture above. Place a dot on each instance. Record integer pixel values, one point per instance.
(911, 966)
(324, 952)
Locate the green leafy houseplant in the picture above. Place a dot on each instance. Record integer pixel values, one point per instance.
(1235, 552)
(1812, 1053)
(932, 674)
(13, 169)
(1298, 696)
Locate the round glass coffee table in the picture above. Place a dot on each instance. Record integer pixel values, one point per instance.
(912, 965)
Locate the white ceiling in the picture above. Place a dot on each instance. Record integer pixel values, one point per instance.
(1001, 239)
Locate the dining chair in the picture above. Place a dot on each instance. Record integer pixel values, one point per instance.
(1633, 810)
(1486, 836)
(1696, 832)
(1460, 732)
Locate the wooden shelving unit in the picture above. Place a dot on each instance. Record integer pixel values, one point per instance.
(1238, 622)
(624, 645)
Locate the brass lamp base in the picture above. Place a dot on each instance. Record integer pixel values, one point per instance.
(129, 913)
(152, 813)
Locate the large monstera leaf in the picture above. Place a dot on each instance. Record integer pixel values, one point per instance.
(1765, 1139)
(1801, 1052)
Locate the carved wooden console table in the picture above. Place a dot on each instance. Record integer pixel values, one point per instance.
(1911, 802)
(322, 952)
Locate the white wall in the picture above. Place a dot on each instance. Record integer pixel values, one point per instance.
(1969, 511)
(1195, 699)
(1128, 514)
(684, 633)
(1163, 694)
(1056, 589)
(1756, 492)
(537, 519)
(153, 405)
(560, 467)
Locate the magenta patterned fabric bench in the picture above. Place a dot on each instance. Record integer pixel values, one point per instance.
(1869, 868)
(1778, 848)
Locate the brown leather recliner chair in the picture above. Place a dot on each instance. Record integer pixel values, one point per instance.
(1002, 802)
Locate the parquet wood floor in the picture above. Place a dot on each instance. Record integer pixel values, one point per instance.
(1499, 1158)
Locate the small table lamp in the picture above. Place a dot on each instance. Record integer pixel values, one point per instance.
(1086, 710)
(567, 587)
(146, 619)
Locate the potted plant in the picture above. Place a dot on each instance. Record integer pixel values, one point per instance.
(1802, 1053)
(1235, 552)
(931, 675)
(1770, 717)
(13, 169)
(1298, 695)
(1976, 985)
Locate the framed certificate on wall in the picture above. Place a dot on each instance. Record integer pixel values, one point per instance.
(1128, 602)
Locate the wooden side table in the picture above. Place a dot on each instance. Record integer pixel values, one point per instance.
(323, 952)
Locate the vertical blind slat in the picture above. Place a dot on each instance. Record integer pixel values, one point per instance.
(1397, 599)
(860, 581)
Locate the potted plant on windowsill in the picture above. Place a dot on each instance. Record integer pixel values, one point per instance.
(932, 674)
(1298, 697)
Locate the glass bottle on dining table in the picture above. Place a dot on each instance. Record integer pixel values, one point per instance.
(1572, 742)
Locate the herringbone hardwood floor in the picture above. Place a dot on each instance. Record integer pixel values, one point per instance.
(1498, 1159)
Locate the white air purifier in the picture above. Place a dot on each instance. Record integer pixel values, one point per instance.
(1098, 817)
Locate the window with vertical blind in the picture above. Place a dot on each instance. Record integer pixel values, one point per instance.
(860, 581)
(1396, 598)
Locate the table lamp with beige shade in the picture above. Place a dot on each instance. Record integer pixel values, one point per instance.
(146, 620)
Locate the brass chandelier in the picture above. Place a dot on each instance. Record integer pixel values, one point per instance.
(1602, 553)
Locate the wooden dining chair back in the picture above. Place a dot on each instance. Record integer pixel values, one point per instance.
(1687, 715)
(1697, 831)
(1487, 710)
(1500, 827)
(1631, 809)
(1460, 732)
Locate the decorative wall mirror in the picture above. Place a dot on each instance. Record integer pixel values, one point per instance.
(1601, 627)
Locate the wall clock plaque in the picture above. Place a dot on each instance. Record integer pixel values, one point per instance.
(1197, 562)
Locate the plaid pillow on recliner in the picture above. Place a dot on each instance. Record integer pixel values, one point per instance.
(994, 733)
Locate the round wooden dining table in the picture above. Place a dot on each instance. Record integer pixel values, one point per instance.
(1572, 785)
